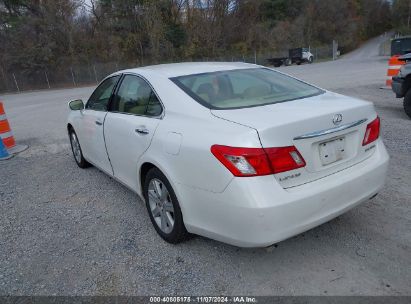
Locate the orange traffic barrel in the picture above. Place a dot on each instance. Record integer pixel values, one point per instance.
(6, 135)
(5, 131)
(394, 66)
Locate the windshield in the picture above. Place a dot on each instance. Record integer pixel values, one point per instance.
(243, 88)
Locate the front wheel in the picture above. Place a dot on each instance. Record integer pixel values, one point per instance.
(163, 207)
(76, 149)
(311, 59)
(407, 103)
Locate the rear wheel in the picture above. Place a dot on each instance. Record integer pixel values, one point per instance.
(163, 207)
(76, 149)
(407, 103)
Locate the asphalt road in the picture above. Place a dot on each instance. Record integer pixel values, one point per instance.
(67, 231)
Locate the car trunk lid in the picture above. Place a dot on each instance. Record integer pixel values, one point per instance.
(327, 130)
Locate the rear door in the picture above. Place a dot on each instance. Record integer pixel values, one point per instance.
(134, 115)
(91, 135)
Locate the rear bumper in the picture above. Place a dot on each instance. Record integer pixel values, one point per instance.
(397, 86)
(257, 212)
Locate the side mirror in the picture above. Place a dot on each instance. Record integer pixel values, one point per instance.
(76, 105)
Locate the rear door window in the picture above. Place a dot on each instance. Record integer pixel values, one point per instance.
(135, 96)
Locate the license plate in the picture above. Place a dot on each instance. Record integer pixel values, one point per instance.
(332, 151)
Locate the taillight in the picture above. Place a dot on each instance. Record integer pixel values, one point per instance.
(243, 161)
(258, 161)
(284, 159)
(372, 132)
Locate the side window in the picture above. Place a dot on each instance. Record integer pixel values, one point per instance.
(99, 99)
(135, 96)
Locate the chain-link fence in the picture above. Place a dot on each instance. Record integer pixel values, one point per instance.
(73, 75)
(319, 53)
(68, 76)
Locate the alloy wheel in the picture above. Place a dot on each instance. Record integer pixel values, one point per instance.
(161, 206)
(76, 147)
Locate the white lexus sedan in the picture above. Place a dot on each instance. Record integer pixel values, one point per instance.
(235, 152)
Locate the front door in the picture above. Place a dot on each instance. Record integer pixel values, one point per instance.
(92, 133)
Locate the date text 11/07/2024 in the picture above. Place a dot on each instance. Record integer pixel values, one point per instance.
(205, 299)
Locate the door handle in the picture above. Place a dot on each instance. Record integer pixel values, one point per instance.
(142, 131)
(99, 123)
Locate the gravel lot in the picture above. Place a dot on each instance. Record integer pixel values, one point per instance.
(67, 231)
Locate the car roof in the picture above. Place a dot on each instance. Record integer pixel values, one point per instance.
(188, 68)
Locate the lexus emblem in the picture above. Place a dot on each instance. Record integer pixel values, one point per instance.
(337, 119)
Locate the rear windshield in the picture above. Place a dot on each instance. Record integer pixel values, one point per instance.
(243, 88)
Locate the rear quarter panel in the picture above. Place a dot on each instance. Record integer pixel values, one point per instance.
(181, 149)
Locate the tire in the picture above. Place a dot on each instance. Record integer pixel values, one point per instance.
(77, 152)
(163, 207)
(407, 103)
(311, 59)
